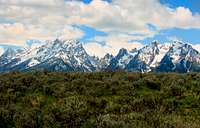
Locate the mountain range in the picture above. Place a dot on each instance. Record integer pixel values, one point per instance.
(70, 55)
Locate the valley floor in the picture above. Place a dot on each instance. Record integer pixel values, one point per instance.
(102, 100)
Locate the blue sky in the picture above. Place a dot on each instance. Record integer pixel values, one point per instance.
(188, 35)
(103, 25)
(193, 5)
(90, 33)
(167, 35)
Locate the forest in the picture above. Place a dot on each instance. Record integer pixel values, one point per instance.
(99, 100)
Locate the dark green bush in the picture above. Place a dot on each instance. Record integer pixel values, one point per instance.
(100, 100)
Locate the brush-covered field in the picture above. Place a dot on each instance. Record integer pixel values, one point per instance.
(99, 100)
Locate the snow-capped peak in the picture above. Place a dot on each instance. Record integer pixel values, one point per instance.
(7, 56)
(70, 55)
(180, 57)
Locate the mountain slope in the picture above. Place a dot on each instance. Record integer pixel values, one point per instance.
(7, 56)
(105, 61)
(69, 55)
(175, 57)
(57, 55)
(121, 60)
(180, 58)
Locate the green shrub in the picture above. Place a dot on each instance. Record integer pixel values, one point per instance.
(100, 100)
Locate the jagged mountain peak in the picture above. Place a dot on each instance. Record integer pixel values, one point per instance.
(108, 56)
(180, 48)
(154, 55)
(7, 56)
(57, 55)
(62, 43)
(180, 45)
(133, 50)
(181, 57)
(68, 42)
(70, 52)
(122, 52)
(70, 55)
(105, 61)
(177, 43)
(155, 43)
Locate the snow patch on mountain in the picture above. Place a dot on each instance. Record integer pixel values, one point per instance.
(66, 52)
(70, 55)
(163, 49)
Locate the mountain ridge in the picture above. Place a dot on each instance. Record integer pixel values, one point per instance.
(70, 55)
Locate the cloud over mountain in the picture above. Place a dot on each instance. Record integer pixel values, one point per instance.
(35, 19)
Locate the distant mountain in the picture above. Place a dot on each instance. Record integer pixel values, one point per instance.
(120, 61)
(69, 55)
(148, 57)
(174, 57)
(180, 58)
(57, 55)
(105, 61)
(7, 56)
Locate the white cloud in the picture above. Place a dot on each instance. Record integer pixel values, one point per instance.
(1, 51)
(45, 19)
(69, 32)
(197, 47)
(113, 44)
(97, 49)
(118, 41)
(18, 33)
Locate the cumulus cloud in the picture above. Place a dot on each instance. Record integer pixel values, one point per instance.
(1, 51)
(97, 49)
(70, 32)
(197, 47)
(17, 33)
(46, 19)
(113, 43)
